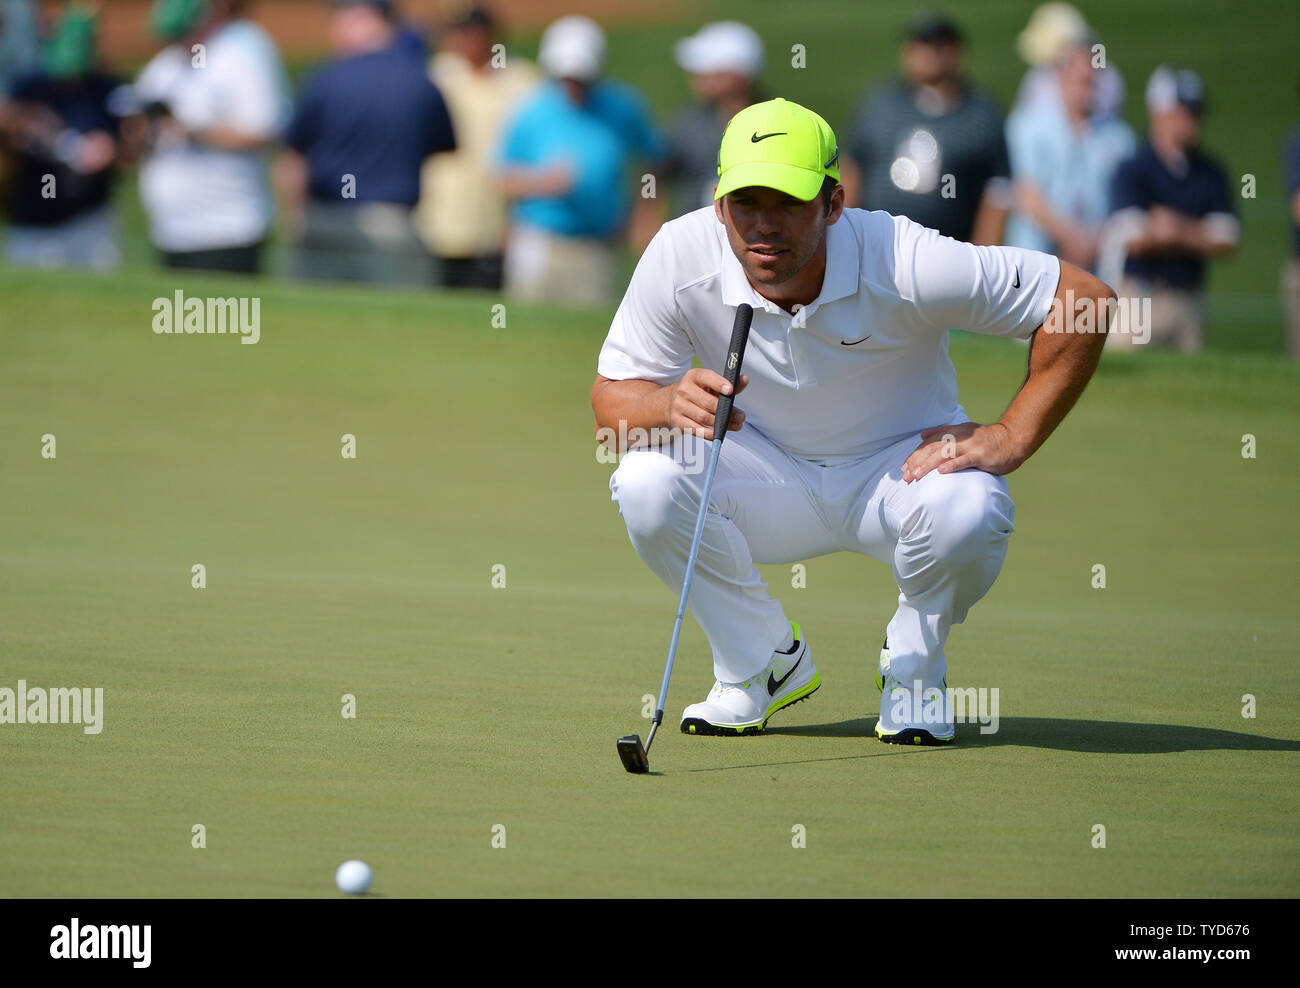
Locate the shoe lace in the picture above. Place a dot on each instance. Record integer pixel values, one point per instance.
(720, 687)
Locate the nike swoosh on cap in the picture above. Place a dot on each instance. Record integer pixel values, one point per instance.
(855, 342)
(755, 138)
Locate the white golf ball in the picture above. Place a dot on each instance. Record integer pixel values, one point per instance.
(354, 877)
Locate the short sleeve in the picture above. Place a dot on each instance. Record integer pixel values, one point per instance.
(302, 129)
(1220, 198)
(1126, 187)
(673, 165)
(253, 89)
(999, 159)
(998, 291)
(512, 149)
(647, 339)
(857, 139)
(1027, 160)
(156, 80)
(638, 127)
(442, 135)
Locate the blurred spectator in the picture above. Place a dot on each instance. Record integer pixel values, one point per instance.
(724, 62)
(65, 139)
(412, 36)
(1291, 271)
(213, 101)
(1052, 29)
(462, 214)
(20, 48)
(1063, 161)
(1173, 210)
(930, 146)
(364, 125)
(564, 166)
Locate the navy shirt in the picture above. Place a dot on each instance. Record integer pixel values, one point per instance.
(1199, 189)
(904, 154)
(1291, 171)
(82, 105)
(375, 117)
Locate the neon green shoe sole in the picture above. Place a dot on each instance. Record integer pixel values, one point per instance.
(694, 725)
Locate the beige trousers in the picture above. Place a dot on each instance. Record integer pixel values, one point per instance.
(1175, 317)
(546, 267)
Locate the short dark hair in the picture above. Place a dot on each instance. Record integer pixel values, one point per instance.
(929, 28)
(827, 191)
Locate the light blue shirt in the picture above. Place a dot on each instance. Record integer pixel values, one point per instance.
(20, 45)
(1071, 167)
(597, 141)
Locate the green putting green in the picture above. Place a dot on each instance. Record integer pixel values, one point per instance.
(480, 707)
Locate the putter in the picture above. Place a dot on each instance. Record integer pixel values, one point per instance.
(635, 755)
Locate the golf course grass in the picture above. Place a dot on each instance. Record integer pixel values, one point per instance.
(479, 705)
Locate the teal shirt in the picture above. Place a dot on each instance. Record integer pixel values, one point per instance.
(598, 141)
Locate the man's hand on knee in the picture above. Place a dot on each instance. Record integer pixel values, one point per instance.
(949, 448)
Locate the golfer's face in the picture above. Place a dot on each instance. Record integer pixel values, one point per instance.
(772, 234)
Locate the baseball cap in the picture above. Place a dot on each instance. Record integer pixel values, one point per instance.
(1169, 87)
(778, 145)
(573, 48)
(725, 46)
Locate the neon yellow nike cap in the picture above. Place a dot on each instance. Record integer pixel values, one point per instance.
(778, 145)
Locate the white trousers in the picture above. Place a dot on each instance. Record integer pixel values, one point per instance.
(945, 537)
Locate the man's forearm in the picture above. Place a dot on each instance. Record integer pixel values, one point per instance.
(521, 182)
(290, 175)
(990, 218)
(230, 139)
(1058, 226)
(637, 404)
(1185, 234)
(1208, 238)
(1063, 354)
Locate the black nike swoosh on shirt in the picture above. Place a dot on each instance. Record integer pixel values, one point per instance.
(755, 138)
(855, 342)
(1016, 283)
(774, 684)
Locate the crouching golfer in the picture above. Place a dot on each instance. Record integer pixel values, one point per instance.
(849, 435)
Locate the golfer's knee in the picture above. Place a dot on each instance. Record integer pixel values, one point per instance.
(649, 488)
(963, 522)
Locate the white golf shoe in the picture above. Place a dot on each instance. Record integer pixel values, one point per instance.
(737, 709)
(912, 713)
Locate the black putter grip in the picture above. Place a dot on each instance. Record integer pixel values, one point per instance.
(731, 370)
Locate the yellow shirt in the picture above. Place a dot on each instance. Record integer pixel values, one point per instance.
(460, 212)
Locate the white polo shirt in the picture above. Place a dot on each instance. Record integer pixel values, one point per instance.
(860, 368)
(199, 197)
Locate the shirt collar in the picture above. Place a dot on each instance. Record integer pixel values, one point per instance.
(840, 281)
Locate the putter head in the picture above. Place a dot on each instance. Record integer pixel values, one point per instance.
(633, 753)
